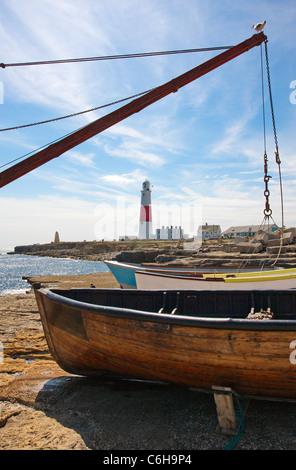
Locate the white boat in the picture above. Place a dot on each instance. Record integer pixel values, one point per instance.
(124, 273)
(282, 279)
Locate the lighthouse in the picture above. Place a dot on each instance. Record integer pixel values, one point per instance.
(145, 228)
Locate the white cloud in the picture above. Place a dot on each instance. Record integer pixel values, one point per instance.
(85, 159)
(125, 180)
(62, 87)
(203, 142)
(234, 135)
(135, 146)
(135, 153)
(28, 221)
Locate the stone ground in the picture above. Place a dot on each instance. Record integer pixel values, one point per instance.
(43, 407)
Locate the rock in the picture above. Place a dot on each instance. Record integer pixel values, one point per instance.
(273, 250)
(250, 248)
(229, 248)
(261, 237)
(239, 240)
(274, 235)
(165, 258)
(138, 256)
(288, 236)
(287, 239)
(274, 242)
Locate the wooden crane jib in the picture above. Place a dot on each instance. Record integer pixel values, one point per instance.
(56, 149)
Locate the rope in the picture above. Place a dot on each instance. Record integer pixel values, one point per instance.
(266, 220)
(63, 117)
(36, 150)
(239, 413)
(113, 57)
(75, 114)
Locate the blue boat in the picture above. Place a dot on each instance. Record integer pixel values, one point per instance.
(124, 273)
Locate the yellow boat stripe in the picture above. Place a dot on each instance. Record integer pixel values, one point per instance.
(277, 272)
(270, 277)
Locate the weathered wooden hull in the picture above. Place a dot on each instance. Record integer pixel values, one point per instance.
(254, 357)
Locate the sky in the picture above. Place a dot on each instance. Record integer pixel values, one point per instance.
(202, 148)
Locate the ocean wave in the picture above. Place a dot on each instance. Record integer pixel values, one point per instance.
(13, 291)
(14, 268)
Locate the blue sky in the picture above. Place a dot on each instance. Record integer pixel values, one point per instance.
(201, 148)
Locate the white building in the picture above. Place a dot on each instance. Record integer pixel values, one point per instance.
(247, 230)
(208, 231)
(169, 233)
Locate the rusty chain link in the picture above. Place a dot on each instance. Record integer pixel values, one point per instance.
(267, 211)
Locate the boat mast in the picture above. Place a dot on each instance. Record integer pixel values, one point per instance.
(58, 148)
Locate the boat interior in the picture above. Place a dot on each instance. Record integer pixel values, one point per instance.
(281, 304)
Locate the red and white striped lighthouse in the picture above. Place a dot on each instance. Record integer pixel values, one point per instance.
(145, 228)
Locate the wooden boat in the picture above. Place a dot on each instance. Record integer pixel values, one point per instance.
(276, 280)
(193, 338)
(124, 273)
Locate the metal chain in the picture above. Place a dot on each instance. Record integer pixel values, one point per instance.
(277, 157)
(267, 211)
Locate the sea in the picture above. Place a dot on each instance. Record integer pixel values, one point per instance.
(14, 267)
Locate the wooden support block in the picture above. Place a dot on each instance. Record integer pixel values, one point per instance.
(225, 410)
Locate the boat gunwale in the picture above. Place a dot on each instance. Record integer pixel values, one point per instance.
(226, 323)
(174, 270)
(227, 279)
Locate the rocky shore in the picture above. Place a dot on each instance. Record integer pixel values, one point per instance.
(263, 248)
(43, 407)
(138, 251)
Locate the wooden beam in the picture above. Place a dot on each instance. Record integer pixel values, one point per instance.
(94, 128)
(225, 410)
